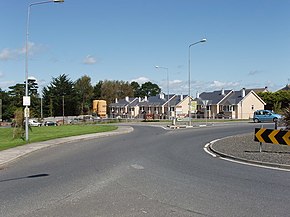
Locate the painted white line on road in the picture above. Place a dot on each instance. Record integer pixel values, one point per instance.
(256, 165)
(207, 151)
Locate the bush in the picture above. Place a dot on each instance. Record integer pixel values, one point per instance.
(286, 118)
(18, 131)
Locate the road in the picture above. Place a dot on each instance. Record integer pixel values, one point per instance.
(149, 172)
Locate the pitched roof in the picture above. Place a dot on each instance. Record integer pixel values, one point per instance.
(154, 101)
(214, 97)
(123, 102)
(287, 87)
(236, 97)
(259, 90)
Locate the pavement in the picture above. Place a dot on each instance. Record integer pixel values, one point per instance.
(240, 148)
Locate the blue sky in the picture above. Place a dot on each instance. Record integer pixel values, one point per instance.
(248, 42)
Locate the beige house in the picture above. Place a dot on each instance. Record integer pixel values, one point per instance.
(217, 104)
(229, 104)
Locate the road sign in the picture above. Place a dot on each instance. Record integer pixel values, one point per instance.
(277, 137)
(26, 100)
(193, 106)
(26, 112)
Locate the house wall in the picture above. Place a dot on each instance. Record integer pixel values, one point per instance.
(181, 108)
(247, 106)
(213, 111)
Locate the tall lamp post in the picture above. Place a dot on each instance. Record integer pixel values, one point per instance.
(168, 106)
(26, 98)
(189, 97)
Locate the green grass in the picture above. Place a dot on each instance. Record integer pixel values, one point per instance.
(38, 134)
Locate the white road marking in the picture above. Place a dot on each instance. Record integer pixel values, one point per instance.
(206, 149)
(137, 167)
(255, 165)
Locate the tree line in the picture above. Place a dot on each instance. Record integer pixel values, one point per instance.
(76, 97)
(71, 97)
(276, 101)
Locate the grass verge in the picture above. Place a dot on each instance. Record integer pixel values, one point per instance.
(38, 134)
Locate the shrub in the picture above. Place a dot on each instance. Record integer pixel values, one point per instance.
(286, 118)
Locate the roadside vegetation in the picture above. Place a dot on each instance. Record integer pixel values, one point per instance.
(287, 117)
(38, 134)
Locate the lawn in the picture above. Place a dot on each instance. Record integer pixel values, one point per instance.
(37, 134)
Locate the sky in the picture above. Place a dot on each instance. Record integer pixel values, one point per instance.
(248, 42)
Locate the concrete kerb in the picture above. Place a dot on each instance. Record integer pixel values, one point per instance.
(10, 155)
(227, 156)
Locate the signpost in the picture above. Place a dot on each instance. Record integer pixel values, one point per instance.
(278, 137)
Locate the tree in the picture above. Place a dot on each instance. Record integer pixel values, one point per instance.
(84, 90)
(136, 88)
(7, 108)
(149, 89)
(111, 90)
(61, 89)
(98, 90)
(16, 94)
(277, 100)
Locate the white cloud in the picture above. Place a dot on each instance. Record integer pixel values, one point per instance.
(12, 54)
(226, 85)
(7, 54)
(5, 84)
(89, 60)
(140, 80)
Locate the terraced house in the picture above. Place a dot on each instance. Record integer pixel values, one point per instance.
(231, 104)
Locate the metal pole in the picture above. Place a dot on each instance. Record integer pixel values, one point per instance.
(168, 104)
(26, 62)
(189, 78)
(26, 72)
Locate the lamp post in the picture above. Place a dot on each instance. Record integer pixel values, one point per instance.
(168, 106)
(189, 97)
(26, 98)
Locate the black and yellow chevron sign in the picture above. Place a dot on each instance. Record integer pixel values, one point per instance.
(277, 137)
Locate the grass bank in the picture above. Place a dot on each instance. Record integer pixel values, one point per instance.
(38, 134)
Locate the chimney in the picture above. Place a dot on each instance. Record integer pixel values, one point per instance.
(181, 97)
(161, 95)
(197, 94)
(116, 100)
(145, 98)
(243, 92)
(127, 98)
(139, 99)
(223, 91)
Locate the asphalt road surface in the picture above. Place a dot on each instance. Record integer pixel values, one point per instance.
(149, 172)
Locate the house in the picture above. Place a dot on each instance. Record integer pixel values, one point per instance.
(157, 107)
(154, 107)
(217, 104)
(287, 87)
(122, 107)
(229, 104)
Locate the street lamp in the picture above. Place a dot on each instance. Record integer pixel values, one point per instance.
(168, 106)
(26, 98)
(189, 97)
